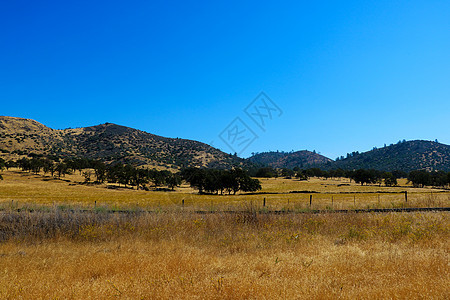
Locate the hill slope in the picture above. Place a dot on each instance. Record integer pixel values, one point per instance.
(405, 156)
(109, 142)
(301, 159)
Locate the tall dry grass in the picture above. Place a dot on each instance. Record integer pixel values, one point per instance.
(184, 255)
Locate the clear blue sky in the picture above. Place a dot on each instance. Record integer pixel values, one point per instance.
(348, 75)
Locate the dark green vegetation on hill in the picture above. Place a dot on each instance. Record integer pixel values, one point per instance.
(406, 156)
(113, 143)
(290, 160)
(110, 143)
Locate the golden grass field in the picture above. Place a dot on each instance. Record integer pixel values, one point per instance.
(176, 253)
(25, 189)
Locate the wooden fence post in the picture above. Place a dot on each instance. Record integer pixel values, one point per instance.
(310, 201)
(406, 196)
(264, 202)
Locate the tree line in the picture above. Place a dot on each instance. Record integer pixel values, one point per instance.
(418, 178)
(421, 178)
(212, 181)
(96, 171)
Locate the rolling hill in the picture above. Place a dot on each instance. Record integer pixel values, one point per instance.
(405, 156)
(109, 142)
(290, 160)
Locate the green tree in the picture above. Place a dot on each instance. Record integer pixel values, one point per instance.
(389, 179)
(158, 177)
(10, 164)
(2, 166)
(87, 176)
(250, 185)
(36, 165)
(419, 178)
(287, 173)
(99, 171)
(439, 178)
(140, 178)
(24, 164)
(215, 181)
(266, 172)
(61, 169)
(301, 175)
(47, 165)
(173, 180)
(366, 176)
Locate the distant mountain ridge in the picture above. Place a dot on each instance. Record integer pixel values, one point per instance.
(290, 160)
(109, 142)
(405, 156)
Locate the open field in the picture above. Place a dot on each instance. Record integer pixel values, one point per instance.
(179, 254)
(24, 189)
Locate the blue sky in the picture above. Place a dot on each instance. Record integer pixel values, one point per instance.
(347, 75)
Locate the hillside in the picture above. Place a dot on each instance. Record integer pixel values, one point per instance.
(301, 159)
(405, 156)
(109, 142)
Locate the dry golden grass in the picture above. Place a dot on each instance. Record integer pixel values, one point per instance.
(186, 255)
(179, 254)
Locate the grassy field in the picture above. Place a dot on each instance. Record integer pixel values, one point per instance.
(176, 253)
(24, 189)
